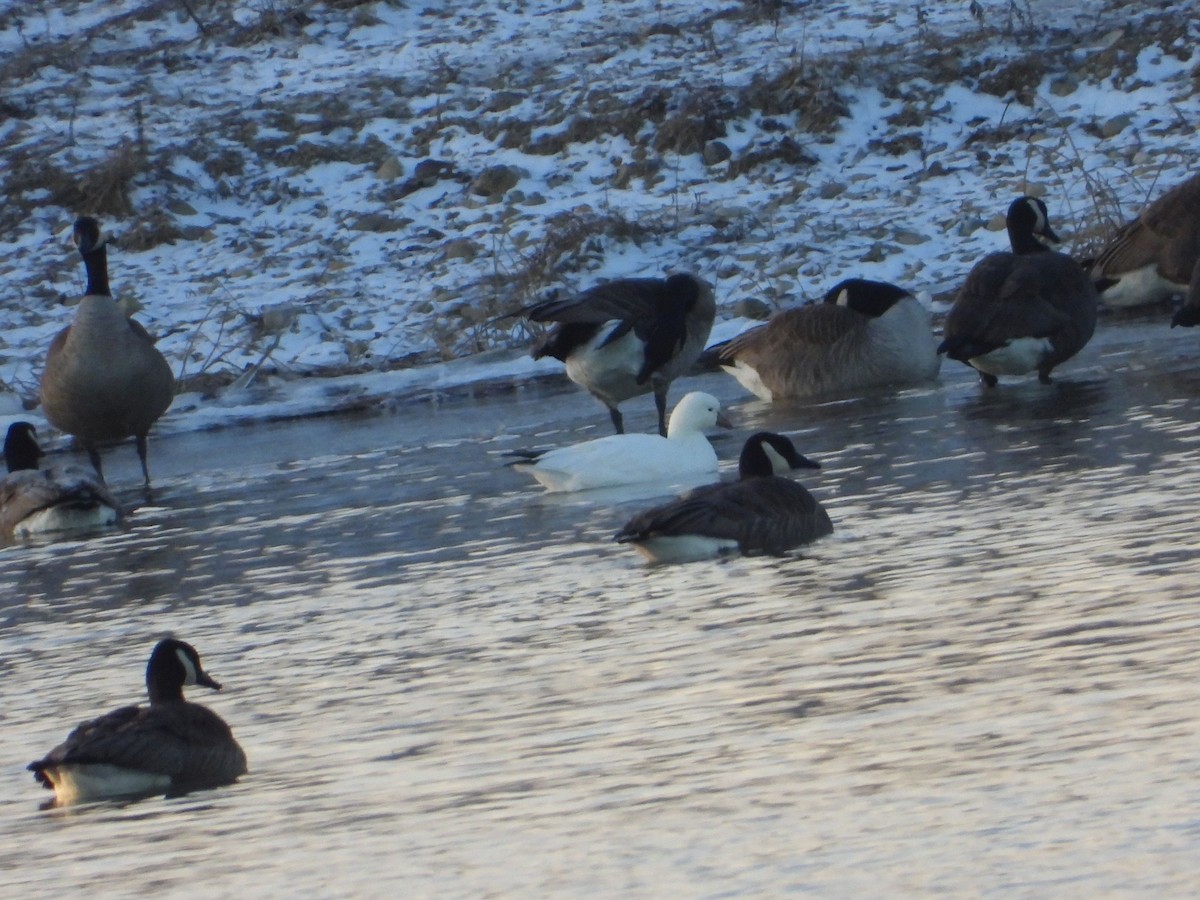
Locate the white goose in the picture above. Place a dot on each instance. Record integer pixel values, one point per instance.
(621, 459)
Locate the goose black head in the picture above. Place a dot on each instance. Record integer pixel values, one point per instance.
(871, 298)
(766, 453)
(1028, 224)
(21, 449)
(87, 235)
(174, 665)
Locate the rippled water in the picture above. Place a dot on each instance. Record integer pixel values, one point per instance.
(448, 683)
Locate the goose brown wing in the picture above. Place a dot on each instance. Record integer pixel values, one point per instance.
(1176, 212)
(185, 741)
(776, 515)
(88, 741)
(1167, 232)
(1133, 247)
(1007, 297)
(22, 494)
(818, 326)
(763, 515)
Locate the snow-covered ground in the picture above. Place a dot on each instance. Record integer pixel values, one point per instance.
(351, 192)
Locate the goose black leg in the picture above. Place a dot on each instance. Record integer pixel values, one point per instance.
(617, 420)
(660, 403)
(141, 452)
(94, 456)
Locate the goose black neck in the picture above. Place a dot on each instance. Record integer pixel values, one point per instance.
(96, 263)
(21, 450)
(1024, 243)
(164, 679)
(163, 690)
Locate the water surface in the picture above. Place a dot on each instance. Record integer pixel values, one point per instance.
(987, 681)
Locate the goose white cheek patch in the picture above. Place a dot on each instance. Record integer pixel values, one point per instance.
(778, 463)
(187, 667)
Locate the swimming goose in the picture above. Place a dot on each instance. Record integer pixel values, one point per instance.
(170, 746)
(104, 379)
(621, 459)
(1027, 310)
(760, 513)
(629, 337)
(865, 333)
(40, 502)
(1156, 256)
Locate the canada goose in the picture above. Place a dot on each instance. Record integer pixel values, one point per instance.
(1025, 310)
(1156, 256)
(104, 379)
(170, 746)
(621, 459)
(865, 333)
(760, 513)
(629, 337)
(40, 502)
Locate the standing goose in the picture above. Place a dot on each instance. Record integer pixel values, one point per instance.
(104, 379)
(864, 334)
(40, 502)
(760, 513)
(1156, 256)
(629, 337)
(170, 746)
(621, 459)
(1027, 310)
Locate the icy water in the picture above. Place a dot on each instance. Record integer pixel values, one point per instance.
(449, 684)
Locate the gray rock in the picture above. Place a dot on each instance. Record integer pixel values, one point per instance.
(495, 181)
(1115, 125)
(716, 152)
(752, 308)
(390, 169)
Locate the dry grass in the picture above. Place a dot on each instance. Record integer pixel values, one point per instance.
(104, 189)
(800, 90)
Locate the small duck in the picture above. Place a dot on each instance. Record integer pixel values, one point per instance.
(621, 459)
(1027, 310)
(169, 747)
(864, 334)
(761, 513)
(34, 502)
(1156, 256)
(629, 337)
(104, 379)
